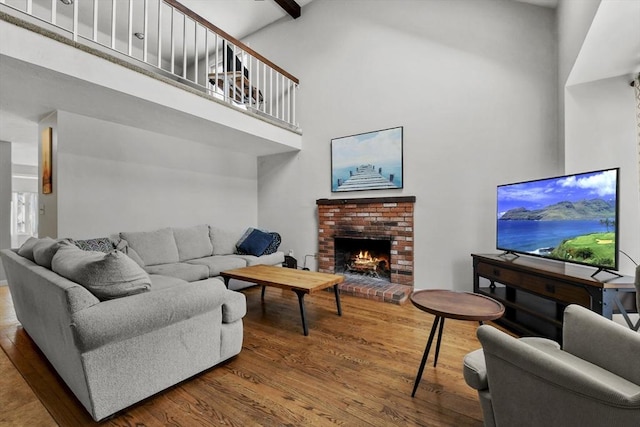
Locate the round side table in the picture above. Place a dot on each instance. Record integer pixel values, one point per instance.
(453, 305)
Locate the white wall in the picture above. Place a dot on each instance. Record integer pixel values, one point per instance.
(112, 178)
(473, 82)
(599, 116)
(5, 199)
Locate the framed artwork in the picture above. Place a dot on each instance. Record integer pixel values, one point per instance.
(367, 161)
(47, 160)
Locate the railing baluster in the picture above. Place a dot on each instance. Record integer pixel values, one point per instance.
(195, 59)
(216, 63)
(264, 80)
(173, 47)
(184, 46)
(75, 21)
(224, 70)
(145, 25)
(30, 7)
(160, 3)
(293, 106)
(95, 21)
(130, 28)
(250, 82)
(206, 57)
(288, 100)
(54, 11)
(271, 96)
(113, 24)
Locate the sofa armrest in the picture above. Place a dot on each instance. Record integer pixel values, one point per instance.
(123, 318)
(475, 370)
(602, 342)
(234, 307)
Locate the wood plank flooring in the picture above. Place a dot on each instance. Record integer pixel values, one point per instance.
(354, 370)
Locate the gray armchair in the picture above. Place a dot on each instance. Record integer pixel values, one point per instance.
(593, 380)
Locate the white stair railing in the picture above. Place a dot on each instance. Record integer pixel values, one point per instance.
(168, 37)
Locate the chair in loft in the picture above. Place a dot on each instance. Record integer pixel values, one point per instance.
(235, 81)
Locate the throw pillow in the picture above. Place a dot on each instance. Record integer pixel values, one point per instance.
(101, 244)
(272, 248)
(274, 245)
(44, 250)
(26, 250)
(256, 243)
(106, 275)
(123, 246)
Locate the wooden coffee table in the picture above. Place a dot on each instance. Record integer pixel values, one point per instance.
(452, 305)
(301, 282)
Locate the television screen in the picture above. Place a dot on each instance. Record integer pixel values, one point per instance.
(572, 218)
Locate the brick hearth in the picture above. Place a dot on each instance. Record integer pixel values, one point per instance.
(385, 217)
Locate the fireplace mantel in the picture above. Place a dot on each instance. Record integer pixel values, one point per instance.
(367, 200)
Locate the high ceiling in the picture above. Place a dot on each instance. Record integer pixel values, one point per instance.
(239, 18)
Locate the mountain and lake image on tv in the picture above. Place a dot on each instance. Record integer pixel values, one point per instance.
(571, 218)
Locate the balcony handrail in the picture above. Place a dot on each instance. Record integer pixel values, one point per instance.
(182, 8)
(218, 64)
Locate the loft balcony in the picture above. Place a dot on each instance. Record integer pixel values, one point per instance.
(112, 59)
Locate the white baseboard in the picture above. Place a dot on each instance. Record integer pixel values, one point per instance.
(3, 283)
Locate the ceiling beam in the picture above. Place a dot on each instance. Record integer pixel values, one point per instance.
(291, 7)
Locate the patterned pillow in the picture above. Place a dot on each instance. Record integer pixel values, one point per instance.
(101, 244)
(274, 245)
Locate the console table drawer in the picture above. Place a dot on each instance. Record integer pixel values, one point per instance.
(499, 274)
(557, 290)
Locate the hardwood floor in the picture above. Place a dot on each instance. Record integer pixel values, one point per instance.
(354, 370)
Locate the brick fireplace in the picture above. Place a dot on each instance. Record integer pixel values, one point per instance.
(371, 222)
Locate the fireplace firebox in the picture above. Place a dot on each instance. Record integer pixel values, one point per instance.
(369, 257)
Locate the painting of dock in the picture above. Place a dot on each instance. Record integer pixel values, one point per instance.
(368, 161)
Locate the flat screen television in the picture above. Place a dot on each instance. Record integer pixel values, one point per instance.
(571, 218)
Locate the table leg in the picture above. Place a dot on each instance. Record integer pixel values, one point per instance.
(424, 356)
(226, 281)
(337, 292)
(435, 361)
(262, 294)
(302, 311)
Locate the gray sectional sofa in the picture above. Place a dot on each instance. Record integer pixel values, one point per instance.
(121, 325)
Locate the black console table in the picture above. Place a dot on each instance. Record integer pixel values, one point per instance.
(536, 291)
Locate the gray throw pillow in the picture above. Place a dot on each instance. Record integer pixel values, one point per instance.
(26, 250)
(106, 275)
(44, 250)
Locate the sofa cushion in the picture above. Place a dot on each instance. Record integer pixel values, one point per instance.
(44, 250)
(219, 263)
(26, 250)
(271, 259)
(193, 242)
(224, 241)
(106, 275)
(100, 244)
(255, 243)
(159, 282)
(153, 247)
(181, 270)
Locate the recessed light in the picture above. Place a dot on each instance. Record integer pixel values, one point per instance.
(139, 35)
(67, 2)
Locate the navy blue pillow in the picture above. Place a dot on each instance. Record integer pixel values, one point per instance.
(256, 243)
